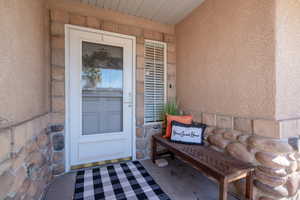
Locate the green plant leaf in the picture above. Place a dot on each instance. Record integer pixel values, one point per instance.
(170, 108)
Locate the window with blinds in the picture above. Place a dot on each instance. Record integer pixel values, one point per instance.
(155, 80)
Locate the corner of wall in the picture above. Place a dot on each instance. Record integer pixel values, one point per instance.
(287, 67)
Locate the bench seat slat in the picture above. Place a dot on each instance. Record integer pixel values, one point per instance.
(215, 164)
(218, 163)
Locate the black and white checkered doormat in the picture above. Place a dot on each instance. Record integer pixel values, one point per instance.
(119, 181)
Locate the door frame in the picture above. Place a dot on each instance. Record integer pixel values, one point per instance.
(68, 27)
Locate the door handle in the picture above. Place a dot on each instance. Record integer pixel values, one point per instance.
(129, 104)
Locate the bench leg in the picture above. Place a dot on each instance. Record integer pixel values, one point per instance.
(154, 148)
(223, 189)
(249, 186)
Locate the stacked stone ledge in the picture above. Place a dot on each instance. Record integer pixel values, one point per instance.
(58, 149)
(277, 175)
(26, 170)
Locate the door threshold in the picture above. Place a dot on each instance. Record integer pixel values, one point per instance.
(96, 164)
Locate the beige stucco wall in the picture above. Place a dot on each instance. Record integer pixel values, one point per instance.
(226, 58)
(288, 59)
(25, 166)
(24, 60)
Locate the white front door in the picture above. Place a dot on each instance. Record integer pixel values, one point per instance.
(100, 97)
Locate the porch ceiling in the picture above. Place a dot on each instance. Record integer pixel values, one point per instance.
(163, 11)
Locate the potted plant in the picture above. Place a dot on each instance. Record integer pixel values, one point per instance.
(93, 76)
(170, 108)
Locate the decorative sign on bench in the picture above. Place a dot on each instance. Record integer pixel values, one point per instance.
(187, 133)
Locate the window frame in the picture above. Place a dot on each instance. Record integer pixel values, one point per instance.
(165, 77)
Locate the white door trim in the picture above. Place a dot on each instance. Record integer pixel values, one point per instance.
(67, 88)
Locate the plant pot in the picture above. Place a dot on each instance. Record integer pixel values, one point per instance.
(91, 83)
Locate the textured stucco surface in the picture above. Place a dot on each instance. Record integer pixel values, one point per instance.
(24, 54)
(226, 58)
(288, 59)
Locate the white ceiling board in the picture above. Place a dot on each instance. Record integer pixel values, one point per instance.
(100, 3)
(130, 6)
(112, 4)
(177, 11)
(163, 11)
(124, 6)
(92, 2)
(85, 1)
(160, 6)
(134, 6)
(177, 17)
(148, 8)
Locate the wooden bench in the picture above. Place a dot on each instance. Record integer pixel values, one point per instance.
(223, 168)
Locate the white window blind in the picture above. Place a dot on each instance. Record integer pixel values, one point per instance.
(155, 80)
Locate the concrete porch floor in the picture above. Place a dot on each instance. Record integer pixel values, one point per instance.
(178, 180)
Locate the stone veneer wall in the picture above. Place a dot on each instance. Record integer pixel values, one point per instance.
(61, 17)
(25, 165)
(283, 129)
(278, 163)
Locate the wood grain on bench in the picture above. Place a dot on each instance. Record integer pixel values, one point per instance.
(223, 168)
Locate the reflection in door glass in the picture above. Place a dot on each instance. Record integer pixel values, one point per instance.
(102, 88)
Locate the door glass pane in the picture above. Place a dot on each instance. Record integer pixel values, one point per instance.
(102, 88)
